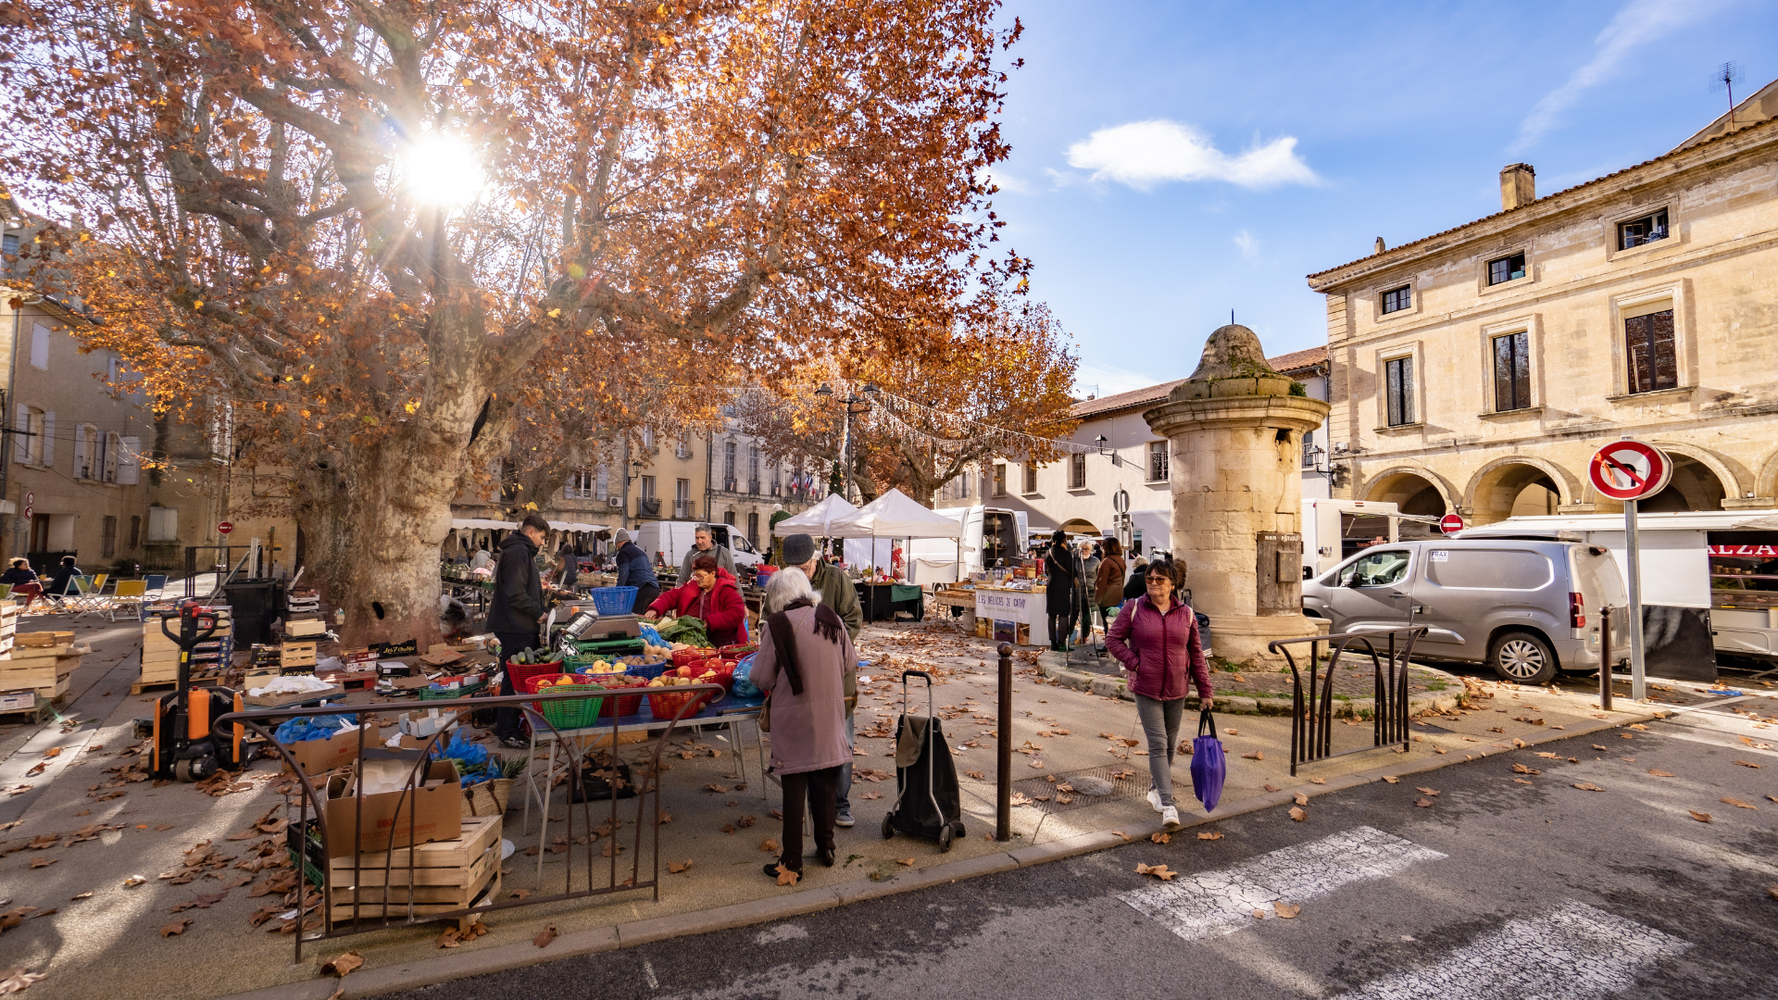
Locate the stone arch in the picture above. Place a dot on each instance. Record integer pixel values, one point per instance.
(1693, 472)
(1495, 487)
(1766, 481)
(1411, 487)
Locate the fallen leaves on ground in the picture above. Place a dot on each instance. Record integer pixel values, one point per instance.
(1298, 814)
(43, 862)
(16, 980)
(1522, 781)
(977, 775)
(1747, 763)
(768, 844)
(1231, 732)
(1317, 781)
(1423, 803)
(1587, 786)
(787, 877)
(1700, 817)
(1161, 872)
(199, 903)
(677, 867)
(1210, 835)
(1392, 779)
(175, 928)
(85, 895)
(909, 862)
(1287, 910)
(1255, 755)
(1522, 769)
(1657, 772)
(1432, 792)
(1127, 838)
(134, 881)
(545, 936)
(1598, 747)
(1639, 727)
(1738, 804)
(1160, 838)
(1301, 799)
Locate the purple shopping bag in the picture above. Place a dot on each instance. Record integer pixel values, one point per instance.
(1208, 766)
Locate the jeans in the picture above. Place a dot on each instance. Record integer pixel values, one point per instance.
(816, 790)
(1160, 723)
(507, 718)
(842, 800)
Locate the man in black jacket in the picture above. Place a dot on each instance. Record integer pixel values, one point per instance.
(514, 612)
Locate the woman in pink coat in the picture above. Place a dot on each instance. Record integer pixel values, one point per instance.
(1156, 638)
(804, 656)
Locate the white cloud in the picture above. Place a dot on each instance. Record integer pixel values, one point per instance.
(1008, 183)
(1108, 380)
(1248, 244)
(1144, 154)
(1637, 24)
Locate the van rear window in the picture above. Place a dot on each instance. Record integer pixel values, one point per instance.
(1489, 569)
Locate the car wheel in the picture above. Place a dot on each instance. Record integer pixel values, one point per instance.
(1522, 658)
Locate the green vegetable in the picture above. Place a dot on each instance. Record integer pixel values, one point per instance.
(688, 630)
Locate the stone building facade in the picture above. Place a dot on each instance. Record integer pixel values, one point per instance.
(1477, 370)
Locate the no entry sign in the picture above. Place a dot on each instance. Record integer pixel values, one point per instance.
(1630, 470)
(226, 527)
(1450, 524)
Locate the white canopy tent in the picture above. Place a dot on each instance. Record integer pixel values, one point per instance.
(893, 515)
(816, 519)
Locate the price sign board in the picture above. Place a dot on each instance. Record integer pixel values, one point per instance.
(1630, 470)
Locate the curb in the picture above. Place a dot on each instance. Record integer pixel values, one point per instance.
(1107, 686)
(503, 958)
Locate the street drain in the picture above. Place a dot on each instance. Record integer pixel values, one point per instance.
(1128, 781)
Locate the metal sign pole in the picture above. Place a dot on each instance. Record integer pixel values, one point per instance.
(1632, 546)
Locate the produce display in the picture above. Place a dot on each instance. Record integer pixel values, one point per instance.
(683, 631)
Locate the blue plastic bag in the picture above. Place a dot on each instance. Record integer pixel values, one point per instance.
(651, 635)
(304, 728)
(1208, 767)
(742, 686)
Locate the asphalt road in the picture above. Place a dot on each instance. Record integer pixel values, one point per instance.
(1500, 888)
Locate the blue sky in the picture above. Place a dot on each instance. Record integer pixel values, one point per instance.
(1173, 161)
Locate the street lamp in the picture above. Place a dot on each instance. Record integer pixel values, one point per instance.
(1100, 441)
(851, 400)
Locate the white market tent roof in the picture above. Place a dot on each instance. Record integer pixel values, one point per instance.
(816, 519)
(895, 515)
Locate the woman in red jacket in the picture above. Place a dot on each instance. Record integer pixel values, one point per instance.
(1156, 638)
(712, 596)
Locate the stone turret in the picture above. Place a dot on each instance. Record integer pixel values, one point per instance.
(1235, 432)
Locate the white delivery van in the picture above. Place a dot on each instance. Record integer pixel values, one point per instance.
(675, 538)
(989, 534)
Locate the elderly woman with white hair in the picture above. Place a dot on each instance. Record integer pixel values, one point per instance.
(805, 658)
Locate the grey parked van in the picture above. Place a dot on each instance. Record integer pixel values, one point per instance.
(1526, 608)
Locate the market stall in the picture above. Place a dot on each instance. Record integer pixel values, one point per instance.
(894, 515)
(817, 519)
(883, 601)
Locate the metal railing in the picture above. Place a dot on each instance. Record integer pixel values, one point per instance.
(383, 912)
(1311, 706)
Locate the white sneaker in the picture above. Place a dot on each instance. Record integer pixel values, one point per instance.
(1154, 799)
(1170, 819)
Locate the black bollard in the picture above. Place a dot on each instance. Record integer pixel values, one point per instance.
(1003, 773)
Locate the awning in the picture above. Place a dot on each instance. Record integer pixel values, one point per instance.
(492, 525)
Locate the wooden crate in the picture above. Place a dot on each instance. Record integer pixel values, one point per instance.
(446, 875)
(303, 627)
(46, 638)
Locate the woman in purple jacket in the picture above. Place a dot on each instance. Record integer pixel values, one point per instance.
(1156, 638)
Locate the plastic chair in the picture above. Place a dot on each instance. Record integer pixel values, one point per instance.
(130, 594)
(157, 584)
(82, 598)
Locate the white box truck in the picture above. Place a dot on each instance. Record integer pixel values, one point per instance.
(989, 534)
(675, 538)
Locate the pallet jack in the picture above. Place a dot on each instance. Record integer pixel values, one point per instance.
(186, 746)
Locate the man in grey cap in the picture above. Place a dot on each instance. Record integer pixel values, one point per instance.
(633, 570)
(838, 594)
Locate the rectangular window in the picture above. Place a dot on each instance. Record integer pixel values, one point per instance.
(1397, 299)
(1512, 372)
(1647, 229)
(1077, 472)
(1649, 351)
(163, 524)
(1399, 383)
(1030, 477)
(108, 537)
(752, 524)
(135, 532)
(1158, 469)
(9, 245)
(728, 466)
(1509, 268)
(580, 486)
(40, 346)
(683, 449)
(1000, 480)
(728, 517)
(648, 487)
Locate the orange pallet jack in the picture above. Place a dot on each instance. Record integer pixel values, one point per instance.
(186, 745)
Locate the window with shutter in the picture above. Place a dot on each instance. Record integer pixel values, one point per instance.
(40, 346)
(81, 451)
(163, 524)
(49, 438)
(129, 461)
(21, 440)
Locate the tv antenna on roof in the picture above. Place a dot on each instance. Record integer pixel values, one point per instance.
(1727, 75)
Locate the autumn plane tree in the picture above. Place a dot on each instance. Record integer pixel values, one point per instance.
(393, 233)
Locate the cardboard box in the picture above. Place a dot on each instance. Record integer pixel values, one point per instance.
(301, 627)
(394, 819)
(317, 756)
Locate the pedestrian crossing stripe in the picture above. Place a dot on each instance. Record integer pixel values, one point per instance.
(1222, 901)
